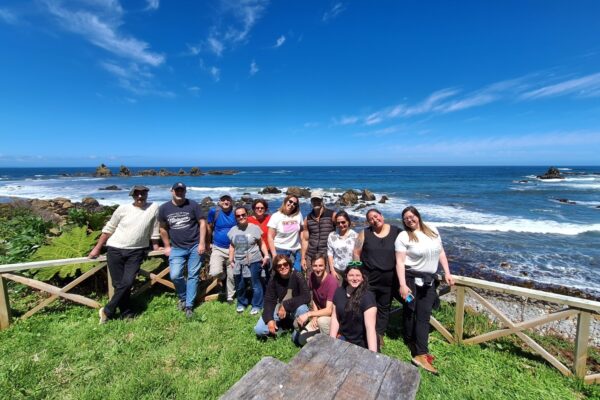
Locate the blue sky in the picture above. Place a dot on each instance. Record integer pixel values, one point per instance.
(253, 82)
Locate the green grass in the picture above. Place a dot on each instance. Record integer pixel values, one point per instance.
(62, 353)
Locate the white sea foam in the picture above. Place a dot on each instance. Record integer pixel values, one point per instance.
(281, 171)
(564, 169)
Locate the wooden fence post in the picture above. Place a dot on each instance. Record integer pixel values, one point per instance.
(111, 289)
(5, 315)
(581, 344)
(459, 317)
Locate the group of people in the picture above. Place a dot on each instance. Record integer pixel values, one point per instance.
(324, 276)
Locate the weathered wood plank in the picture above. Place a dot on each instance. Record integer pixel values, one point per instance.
(53, 290)
(581, 344)
(583, 304)
(594, 378)
(5, 313)
(266, 380)
(459, 316)
(520, 326)
(66, 288)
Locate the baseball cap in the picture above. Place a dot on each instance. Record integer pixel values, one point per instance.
(317, 194)
(226, 197)
(139, 188)
(179, 185)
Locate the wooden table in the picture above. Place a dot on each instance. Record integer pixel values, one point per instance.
(327, 368)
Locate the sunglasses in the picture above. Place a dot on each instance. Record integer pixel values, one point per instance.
(292, 202)
(241, 215)
(355, 264)
(282, 265)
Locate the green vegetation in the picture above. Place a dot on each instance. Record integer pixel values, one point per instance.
(93, 221)
(62, 353)
(72, 243)
(21, 232)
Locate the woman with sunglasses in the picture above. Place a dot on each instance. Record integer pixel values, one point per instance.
(355, 310)
(260, 217)
(284, 230)
(247, 261)
(375, 248)
(419, 250)
(340, 245)
(286, 298)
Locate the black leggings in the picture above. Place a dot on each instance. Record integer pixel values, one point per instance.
(382, 284)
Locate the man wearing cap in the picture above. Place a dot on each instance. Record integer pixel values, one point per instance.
(318, 224)
(219, 221)
(182, 230)
(127, 236)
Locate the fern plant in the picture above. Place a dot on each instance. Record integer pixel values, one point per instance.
(75, 242)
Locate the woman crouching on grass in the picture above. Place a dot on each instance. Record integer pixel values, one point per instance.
(286, 299)
(355, 310)
(418, 251)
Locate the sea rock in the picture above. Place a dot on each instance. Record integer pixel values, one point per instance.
(103, 170)
(552, 173)
(360, 206)
(207, 201)
(181, 172)
(223, 172)
(124, 171)
(67, 204)
(88, 202)
(165, 172)
(383, 199)
(147, 172)
(298, 192)
(367, 195)
(246, 199)
(505, 265)
(111, 187)
(349, 198)
(270, 190)
(565, 201)
(195, 171)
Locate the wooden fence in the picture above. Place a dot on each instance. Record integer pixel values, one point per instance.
(583, 310)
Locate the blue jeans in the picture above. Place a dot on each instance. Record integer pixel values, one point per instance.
(186, 291)
(261, 328)
(258, 285)
(296, 255)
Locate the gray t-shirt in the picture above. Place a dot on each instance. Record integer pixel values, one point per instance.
(246, 244)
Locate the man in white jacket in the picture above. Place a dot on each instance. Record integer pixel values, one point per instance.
(127, 236)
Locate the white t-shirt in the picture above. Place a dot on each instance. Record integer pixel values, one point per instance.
(287, 228)
(422, 256)
(341, 248)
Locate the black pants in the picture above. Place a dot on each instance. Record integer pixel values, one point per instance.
(416, 320)
(381, 284)
(123, 265)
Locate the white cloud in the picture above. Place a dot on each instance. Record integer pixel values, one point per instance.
(253, 68)
(280, 41)
(152, 4)
(215, 73)
(333, 12)
(586, 86)
(346, 120)
(135, 78)
(100, 26)
(235, 20)
(8, 16)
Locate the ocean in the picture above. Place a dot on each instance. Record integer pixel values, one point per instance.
(499, 223)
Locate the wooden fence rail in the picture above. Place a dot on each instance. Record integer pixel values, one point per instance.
(583, 309)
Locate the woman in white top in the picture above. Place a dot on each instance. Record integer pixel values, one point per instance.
(419, 250)
(284, 230)
(340, 245)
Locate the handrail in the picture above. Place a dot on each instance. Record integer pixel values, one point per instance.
(582, 304)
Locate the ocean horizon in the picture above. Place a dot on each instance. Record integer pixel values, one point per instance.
(496, 221)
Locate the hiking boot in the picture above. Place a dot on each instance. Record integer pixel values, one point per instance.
(181, 305)
(423, 362)
(103, 316)
(189, 313)
(430, 358)
(254, 311)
